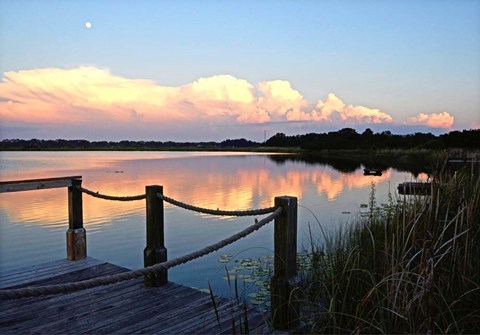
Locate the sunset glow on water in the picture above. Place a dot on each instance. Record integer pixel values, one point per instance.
(116, 230)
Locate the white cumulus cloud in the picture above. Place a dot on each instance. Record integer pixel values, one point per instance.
(434, 120)
(89, 94)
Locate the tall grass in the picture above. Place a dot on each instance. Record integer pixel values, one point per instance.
(411, 265)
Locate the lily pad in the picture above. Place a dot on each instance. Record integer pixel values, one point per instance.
(225, 258)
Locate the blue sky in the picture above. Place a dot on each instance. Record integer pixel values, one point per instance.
(410, 65)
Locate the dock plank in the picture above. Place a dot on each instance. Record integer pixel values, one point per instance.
(198, 322)
(23, 276)
(121, 308)
(187, 310)
(89, 310)
(156, 317)
(117, 317)
(59, 306)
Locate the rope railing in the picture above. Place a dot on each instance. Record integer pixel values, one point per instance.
(220, 212)
(111, 279)
(111, 197)
(251, 212)
(283, 284)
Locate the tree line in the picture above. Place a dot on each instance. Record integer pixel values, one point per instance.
(346, 138)
(60, 144)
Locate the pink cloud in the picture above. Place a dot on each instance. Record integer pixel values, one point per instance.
(57, 95)
(334, 110)
(88, 94)
(350, 114)
(280, 99)
(434, 120)
(221, 97)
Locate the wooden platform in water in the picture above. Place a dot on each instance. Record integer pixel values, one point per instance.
(126, 307)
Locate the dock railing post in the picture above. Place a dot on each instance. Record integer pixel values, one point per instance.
(285, 282)
(155, 251)
(76, 234)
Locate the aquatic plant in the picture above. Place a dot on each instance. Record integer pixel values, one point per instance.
(412, 265)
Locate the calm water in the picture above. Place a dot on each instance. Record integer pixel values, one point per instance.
(33, 223)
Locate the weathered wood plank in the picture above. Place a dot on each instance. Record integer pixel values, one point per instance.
(197, 320)
(183, 310)
(24, 275)
(49, 266)
(137, 316)
(83, 274)
(231, 315)
(257, 323)
(36, 184)
(154, 315)
(123, 314)
(78, 305)
(107, 307)
(61, 305)
(127, 310)
(121, 308)
(45, 304)
(42, 279)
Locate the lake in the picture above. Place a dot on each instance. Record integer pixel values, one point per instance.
(33, 223)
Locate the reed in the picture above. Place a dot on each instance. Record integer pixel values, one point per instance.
(237, 305)
(411, 265)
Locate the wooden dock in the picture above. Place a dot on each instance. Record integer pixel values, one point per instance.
(151, 304)
(125, 307)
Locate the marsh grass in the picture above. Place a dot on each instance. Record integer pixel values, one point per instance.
(237, 309)
(411, 265)
(248, 283)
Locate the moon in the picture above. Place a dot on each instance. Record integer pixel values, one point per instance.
(88, 24)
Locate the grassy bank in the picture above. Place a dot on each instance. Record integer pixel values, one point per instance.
(412, 265)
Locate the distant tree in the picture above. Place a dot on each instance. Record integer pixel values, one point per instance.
(346, 138)
(348, 132)
(239, 143)
(278, 140)
(465, 139)
(367, 133)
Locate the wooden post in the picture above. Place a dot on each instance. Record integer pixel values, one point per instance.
(76, 234)
(285, 282)
(155, 251)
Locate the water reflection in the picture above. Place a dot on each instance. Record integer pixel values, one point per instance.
(116, 230)
(414, 163)
(226, 182)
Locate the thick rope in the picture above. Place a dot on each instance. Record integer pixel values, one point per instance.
(110, 197)
(111, 279)
(183, 205)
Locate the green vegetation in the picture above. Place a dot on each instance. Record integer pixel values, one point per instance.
(254, 276)
(79, 145)
(349, 139)
(409, 266)
(344, 139)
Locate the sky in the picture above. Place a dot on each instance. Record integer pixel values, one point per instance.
(211, 70)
